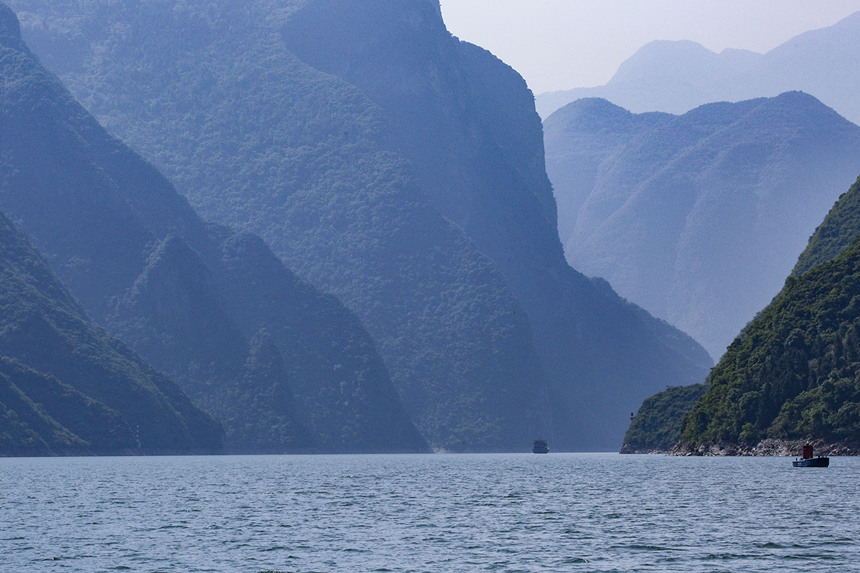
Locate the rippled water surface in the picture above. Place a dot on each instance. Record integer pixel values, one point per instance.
(558, 512)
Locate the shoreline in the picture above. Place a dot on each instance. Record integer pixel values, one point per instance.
(767, 447)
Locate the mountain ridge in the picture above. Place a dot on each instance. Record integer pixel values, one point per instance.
(392, 179)
(143, 264)
(67, 387)
(698, 217)
(677, 76)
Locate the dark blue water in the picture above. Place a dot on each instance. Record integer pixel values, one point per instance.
(558, 512)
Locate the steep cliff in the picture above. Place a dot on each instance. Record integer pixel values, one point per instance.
(401, 170)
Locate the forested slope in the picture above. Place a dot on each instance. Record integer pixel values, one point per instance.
(396, 167)
(67, 387)
(298, 374)
(793, 373)
(834, 234)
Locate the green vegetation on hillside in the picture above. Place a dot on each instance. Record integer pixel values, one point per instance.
(657, 424)
(260, 140)
(67, 387)
(395, 167)
(835, 233)
(794, 372)
(143, 264)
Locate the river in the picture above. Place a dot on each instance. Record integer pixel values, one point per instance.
(398, 513)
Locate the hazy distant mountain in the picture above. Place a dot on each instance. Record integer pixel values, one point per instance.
(699, 217)
(678, 76)
(667, 76)
(282, 366)
(67, 387)
(396, 167)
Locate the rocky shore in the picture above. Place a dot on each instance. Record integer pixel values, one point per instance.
(767, 447)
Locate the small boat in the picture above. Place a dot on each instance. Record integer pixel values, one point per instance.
(540, 447)
(806, 460)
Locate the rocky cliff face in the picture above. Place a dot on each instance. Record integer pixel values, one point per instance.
(401, 170)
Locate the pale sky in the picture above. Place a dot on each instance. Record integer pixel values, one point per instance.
(563, 44)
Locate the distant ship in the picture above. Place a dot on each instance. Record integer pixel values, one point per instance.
(807, 461)
(540, 447)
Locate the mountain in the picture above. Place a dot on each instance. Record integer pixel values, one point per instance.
(395, 167)
(792, 374)
(698, 218)
(656, 426)
(666, 76)
(68, 387)
(678, 76)
(282, 366)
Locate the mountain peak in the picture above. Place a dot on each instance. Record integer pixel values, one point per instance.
(591, 114)
(10, 29)
(651, 59)
(795, 97)
(808, 109)
(405, 174)
(598, 105)
(677, 76)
